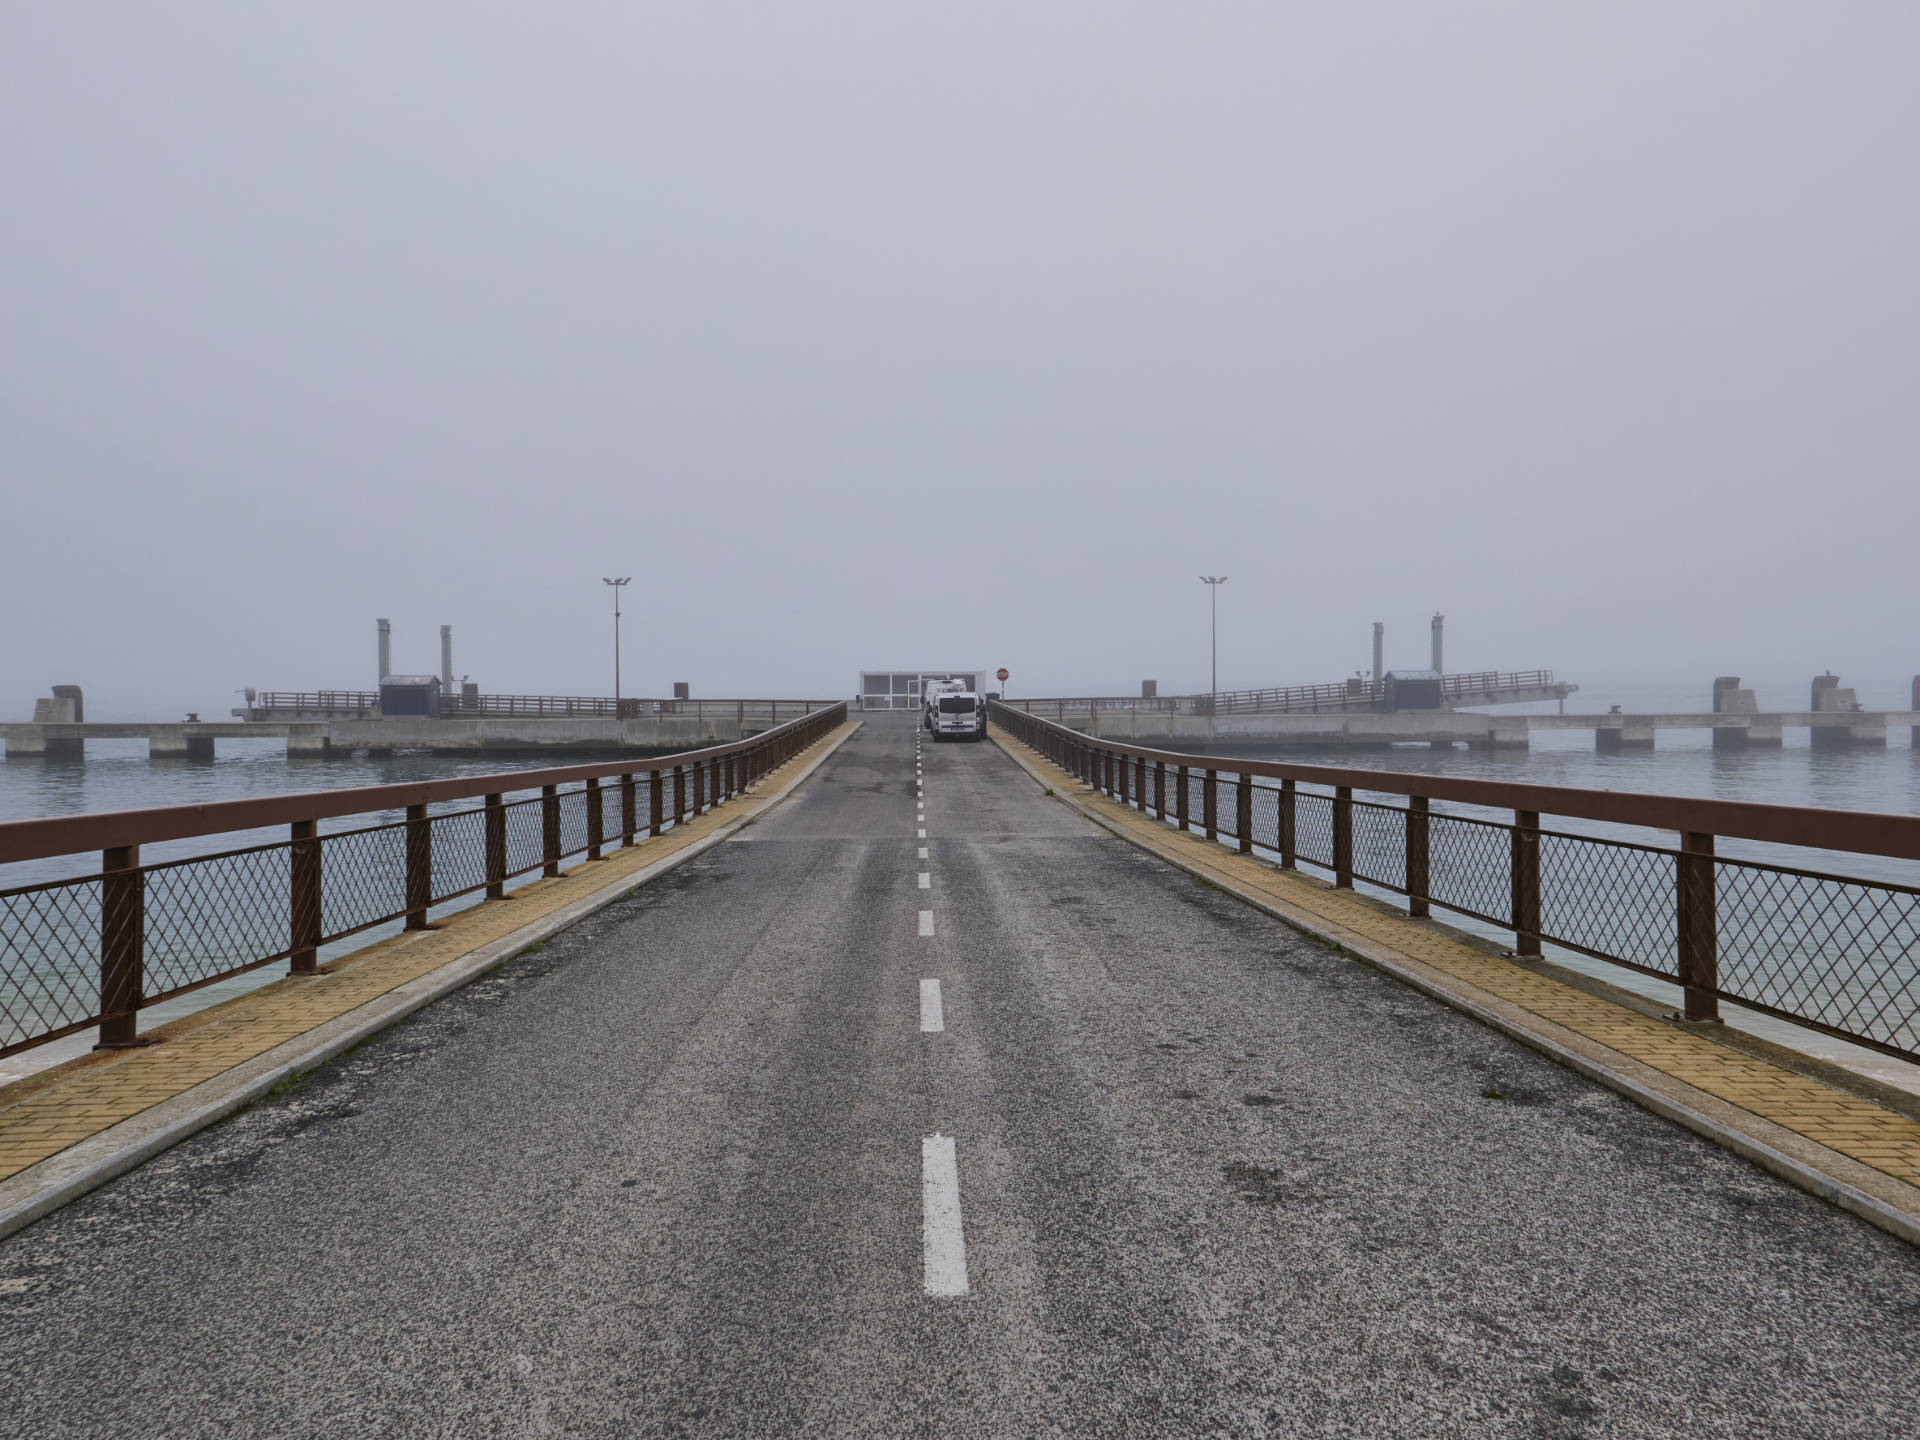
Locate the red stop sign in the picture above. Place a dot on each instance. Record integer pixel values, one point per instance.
(1001, 674)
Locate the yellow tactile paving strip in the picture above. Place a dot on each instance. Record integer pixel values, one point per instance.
(1846, 1124)
(43, 1114)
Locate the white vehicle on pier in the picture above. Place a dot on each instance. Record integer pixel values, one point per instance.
(958, 715)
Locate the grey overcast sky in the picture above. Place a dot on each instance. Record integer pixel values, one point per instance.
(901, 334)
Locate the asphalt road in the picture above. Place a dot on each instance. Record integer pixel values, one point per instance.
(671, 1176)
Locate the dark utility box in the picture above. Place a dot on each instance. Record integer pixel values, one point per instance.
(1413, 690)
(410, 695)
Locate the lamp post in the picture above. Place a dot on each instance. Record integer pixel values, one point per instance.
(617, 586)
(1213, 584)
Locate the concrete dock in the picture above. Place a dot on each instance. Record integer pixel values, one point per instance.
(317, 739)
(1460, 727)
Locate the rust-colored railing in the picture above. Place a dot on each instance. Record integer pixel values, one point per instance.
(1837, 953)
(95, 949)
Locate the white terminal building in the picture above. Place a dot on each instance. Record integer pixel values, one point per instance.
(905, 689)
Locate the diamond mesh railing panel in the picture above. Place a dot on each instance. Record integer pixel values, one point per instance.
(526, 836)
(1470, 866)
(216, 915)
(1313, 827)
(573, 821)
(364, 879)
(1608, 899)
(459, 853)
(1265, 808)
(49, 960)
(1380, 844)
(1839, 952)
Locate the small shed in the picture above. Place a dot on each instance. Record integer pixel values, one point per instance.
(410, 695)
(1413, 690)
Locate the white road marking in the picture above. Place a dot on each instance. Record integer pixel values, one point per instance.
(923, 835)
(923, 852)
(926, 881)
(926, 922)
(933, 1018)
(942, 1240)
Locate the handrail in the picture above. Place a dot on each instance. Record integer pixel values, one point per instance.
(1862, 832)
(97, 948)
(1835, 953)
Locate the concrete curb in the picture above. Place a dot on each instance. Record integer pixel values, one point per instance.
(1742, 1140)
(42, 1188)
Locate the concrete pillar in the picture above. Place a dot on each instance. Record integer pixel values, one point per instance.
(1730, 699)
(308, 741)
(1622, 732)
(1439, 643)
(72, 692)
(178, 742)
(1830, 698)
(446, 660)
(1379, 651)
(1506, 732)
(386, 653)
(25, 740)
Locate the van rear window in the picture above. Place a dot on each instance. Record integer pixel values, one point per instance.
(956, 705)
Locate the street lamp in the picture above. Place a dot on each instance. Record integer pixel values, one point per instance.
(1213, 584)
(617, 586)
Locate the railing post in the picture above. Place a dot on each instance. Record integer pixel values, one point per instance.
(656, 817)
(1210, 803)
(1343, 837)
(1181, 802)
(1243, 811)
(304, 927)
(1289, 836)
(699, 788)
(1120, 768)
(123, 930)
(1160, 789)
(1418, 880)
(496, 823)
(1699, 928)
(550, 830)
(1526, 882)
(730, 792)
(596, 822)
(629, 809)
(679, 794)
(1140, 782)
(419, 867)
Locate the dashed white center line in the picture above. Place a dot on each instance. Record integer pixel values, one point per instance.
(923, 852)
(926, 881)
(933, 1018)
(922, 835)
(943, 1242)
(926, 922)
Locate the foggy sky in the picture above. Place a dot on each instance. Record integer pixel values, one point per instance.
(900, 334)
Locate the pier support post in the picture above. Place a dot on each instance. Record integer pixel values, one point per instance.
(1625, 735)
(1288, 838)
(596, 819)
(419, 867)
(1181, 801)
(1343, 837)
(496, 844)
(1418, 880)
(679, 793)
(1210, 804)
(1699, 958)
(1160, 789)
(1243, 812)
(656, 806)
(304, 923)
(629, 809)
(1526, 883)
(123, 928)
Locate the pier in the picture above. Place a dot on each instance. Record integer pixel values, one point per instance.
(820, 1072)
(645, 726)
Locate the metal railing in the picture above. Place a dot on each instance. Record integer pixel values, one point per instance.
(1287, 699)
(96, 949)
(363, 704)
(1836, 953)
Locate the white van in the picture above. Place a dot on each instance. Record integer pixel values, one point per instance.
(959, 715)
(935, 689)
